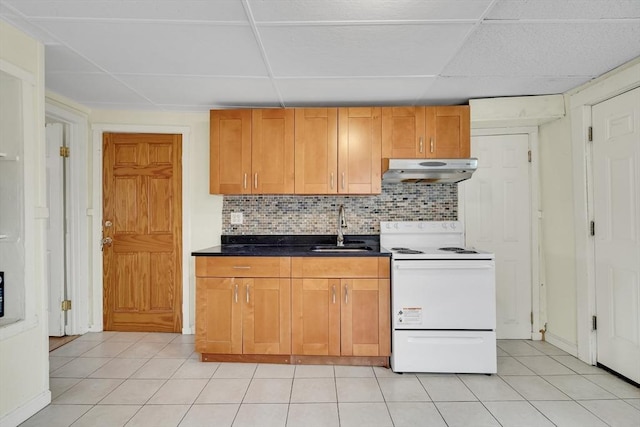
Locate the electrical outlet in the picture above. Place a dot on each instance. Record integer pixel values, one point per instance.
(236, 218)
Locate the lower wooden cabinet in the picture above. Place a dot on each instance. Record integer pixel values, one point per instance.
(314, 307)
(340, 317)
(243, 315)
(340, 307)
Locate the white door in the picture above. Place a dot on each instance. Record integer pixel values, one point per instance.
(616, 201)
(498, 219)
(55, 228)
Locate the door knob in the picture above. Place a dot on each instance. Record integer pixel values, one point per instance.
(107, 241)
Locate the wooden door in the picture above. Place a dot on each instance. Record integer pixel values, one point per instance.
(230, 152)
(272, 151)
(266, 316)
(359, 150)
(219, 315)
(316, 149)
(403, 132)
(315, 320)
(498, 219)
(365, 306)
(142, 214)
(447, 132)
(616, 201)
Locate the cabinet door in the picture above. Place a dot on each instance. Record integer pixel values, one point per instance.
(316, 317)
(230, 152)
(272, 151)
(359, 150)
(266, 317)
(316, 146)
(218, 316)
(448, 132)
(364, 317)
(403, 132)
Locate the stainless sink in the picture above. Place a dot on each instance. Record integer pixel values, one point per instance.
(341, 249)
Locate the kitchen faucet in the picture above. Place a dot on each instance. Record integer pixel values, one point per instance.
(342, 223)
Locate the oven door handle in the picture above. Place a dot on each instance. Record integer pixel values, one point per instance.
(458, 265)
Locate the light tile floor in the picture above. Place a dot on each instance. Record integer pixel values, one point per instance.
(150, 379)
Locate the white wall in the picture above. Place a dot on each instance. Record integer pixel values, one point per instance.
(24, 352)
(557, 234)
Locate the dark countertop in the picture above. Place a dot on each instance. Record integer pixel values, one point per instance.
(292, 246)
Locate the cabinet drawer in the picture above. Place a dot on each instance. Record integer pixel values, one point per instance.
(343, 267)
(243, 266)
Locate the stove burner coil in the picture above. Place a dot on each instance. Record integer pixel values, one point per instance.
(406, 251)
(459, 250)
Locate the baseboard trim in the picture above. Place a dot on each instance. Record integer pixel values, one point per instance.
(24, 412)
(562, 344)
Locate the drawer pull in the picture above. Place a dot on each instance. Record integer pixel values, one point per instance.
(235, 293)
(421, 144)
(247, 294)
(333, 294)
(242, 267)
(346, 294)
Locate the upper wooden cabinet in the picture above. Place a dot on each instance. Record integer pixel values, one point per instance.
(230, 152)
(359, 150)
(426, 132)
(327, 150)
(316, 144)
(252, 151)
(338, 150)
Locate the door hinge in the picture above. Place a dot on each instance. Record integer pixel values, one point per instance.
(66, 305)
(594, 323)
(529, 156)
(592, 228)
(532, 317)
(64, 151)
(590, 134)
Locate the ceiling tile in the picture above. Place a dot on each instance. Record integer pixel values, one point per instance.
(168, 48)
(62, 59)
(205, 91)
(364, 50)
(460, 89)
(87, 88)
(340, 92)
(567, 9)
(218, 10)
(559, 49)
(359, 10)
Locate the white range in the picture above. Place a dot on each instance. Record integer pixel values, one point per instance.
(443, 299)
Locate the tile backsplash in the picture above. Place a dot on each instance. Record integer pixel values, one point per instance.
(271, 214)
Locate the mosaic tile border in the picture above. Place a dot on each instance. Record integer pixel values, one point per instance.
(291, 214)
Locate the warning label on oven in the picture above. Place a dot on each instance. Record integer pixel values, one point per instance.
(410, 315)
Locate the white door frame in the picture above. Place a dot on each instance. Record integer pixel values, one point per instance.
(580, 102)
(96, 227)
(538, 296)
(78, 202)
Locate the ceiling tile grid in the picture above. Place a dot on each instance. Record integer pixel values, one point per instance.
(194, 55)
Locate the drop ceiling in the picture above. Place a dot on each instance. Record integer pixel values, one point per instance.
(188, 55)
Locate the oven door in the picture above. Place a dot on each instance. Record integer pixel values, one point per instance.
(443, 294)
